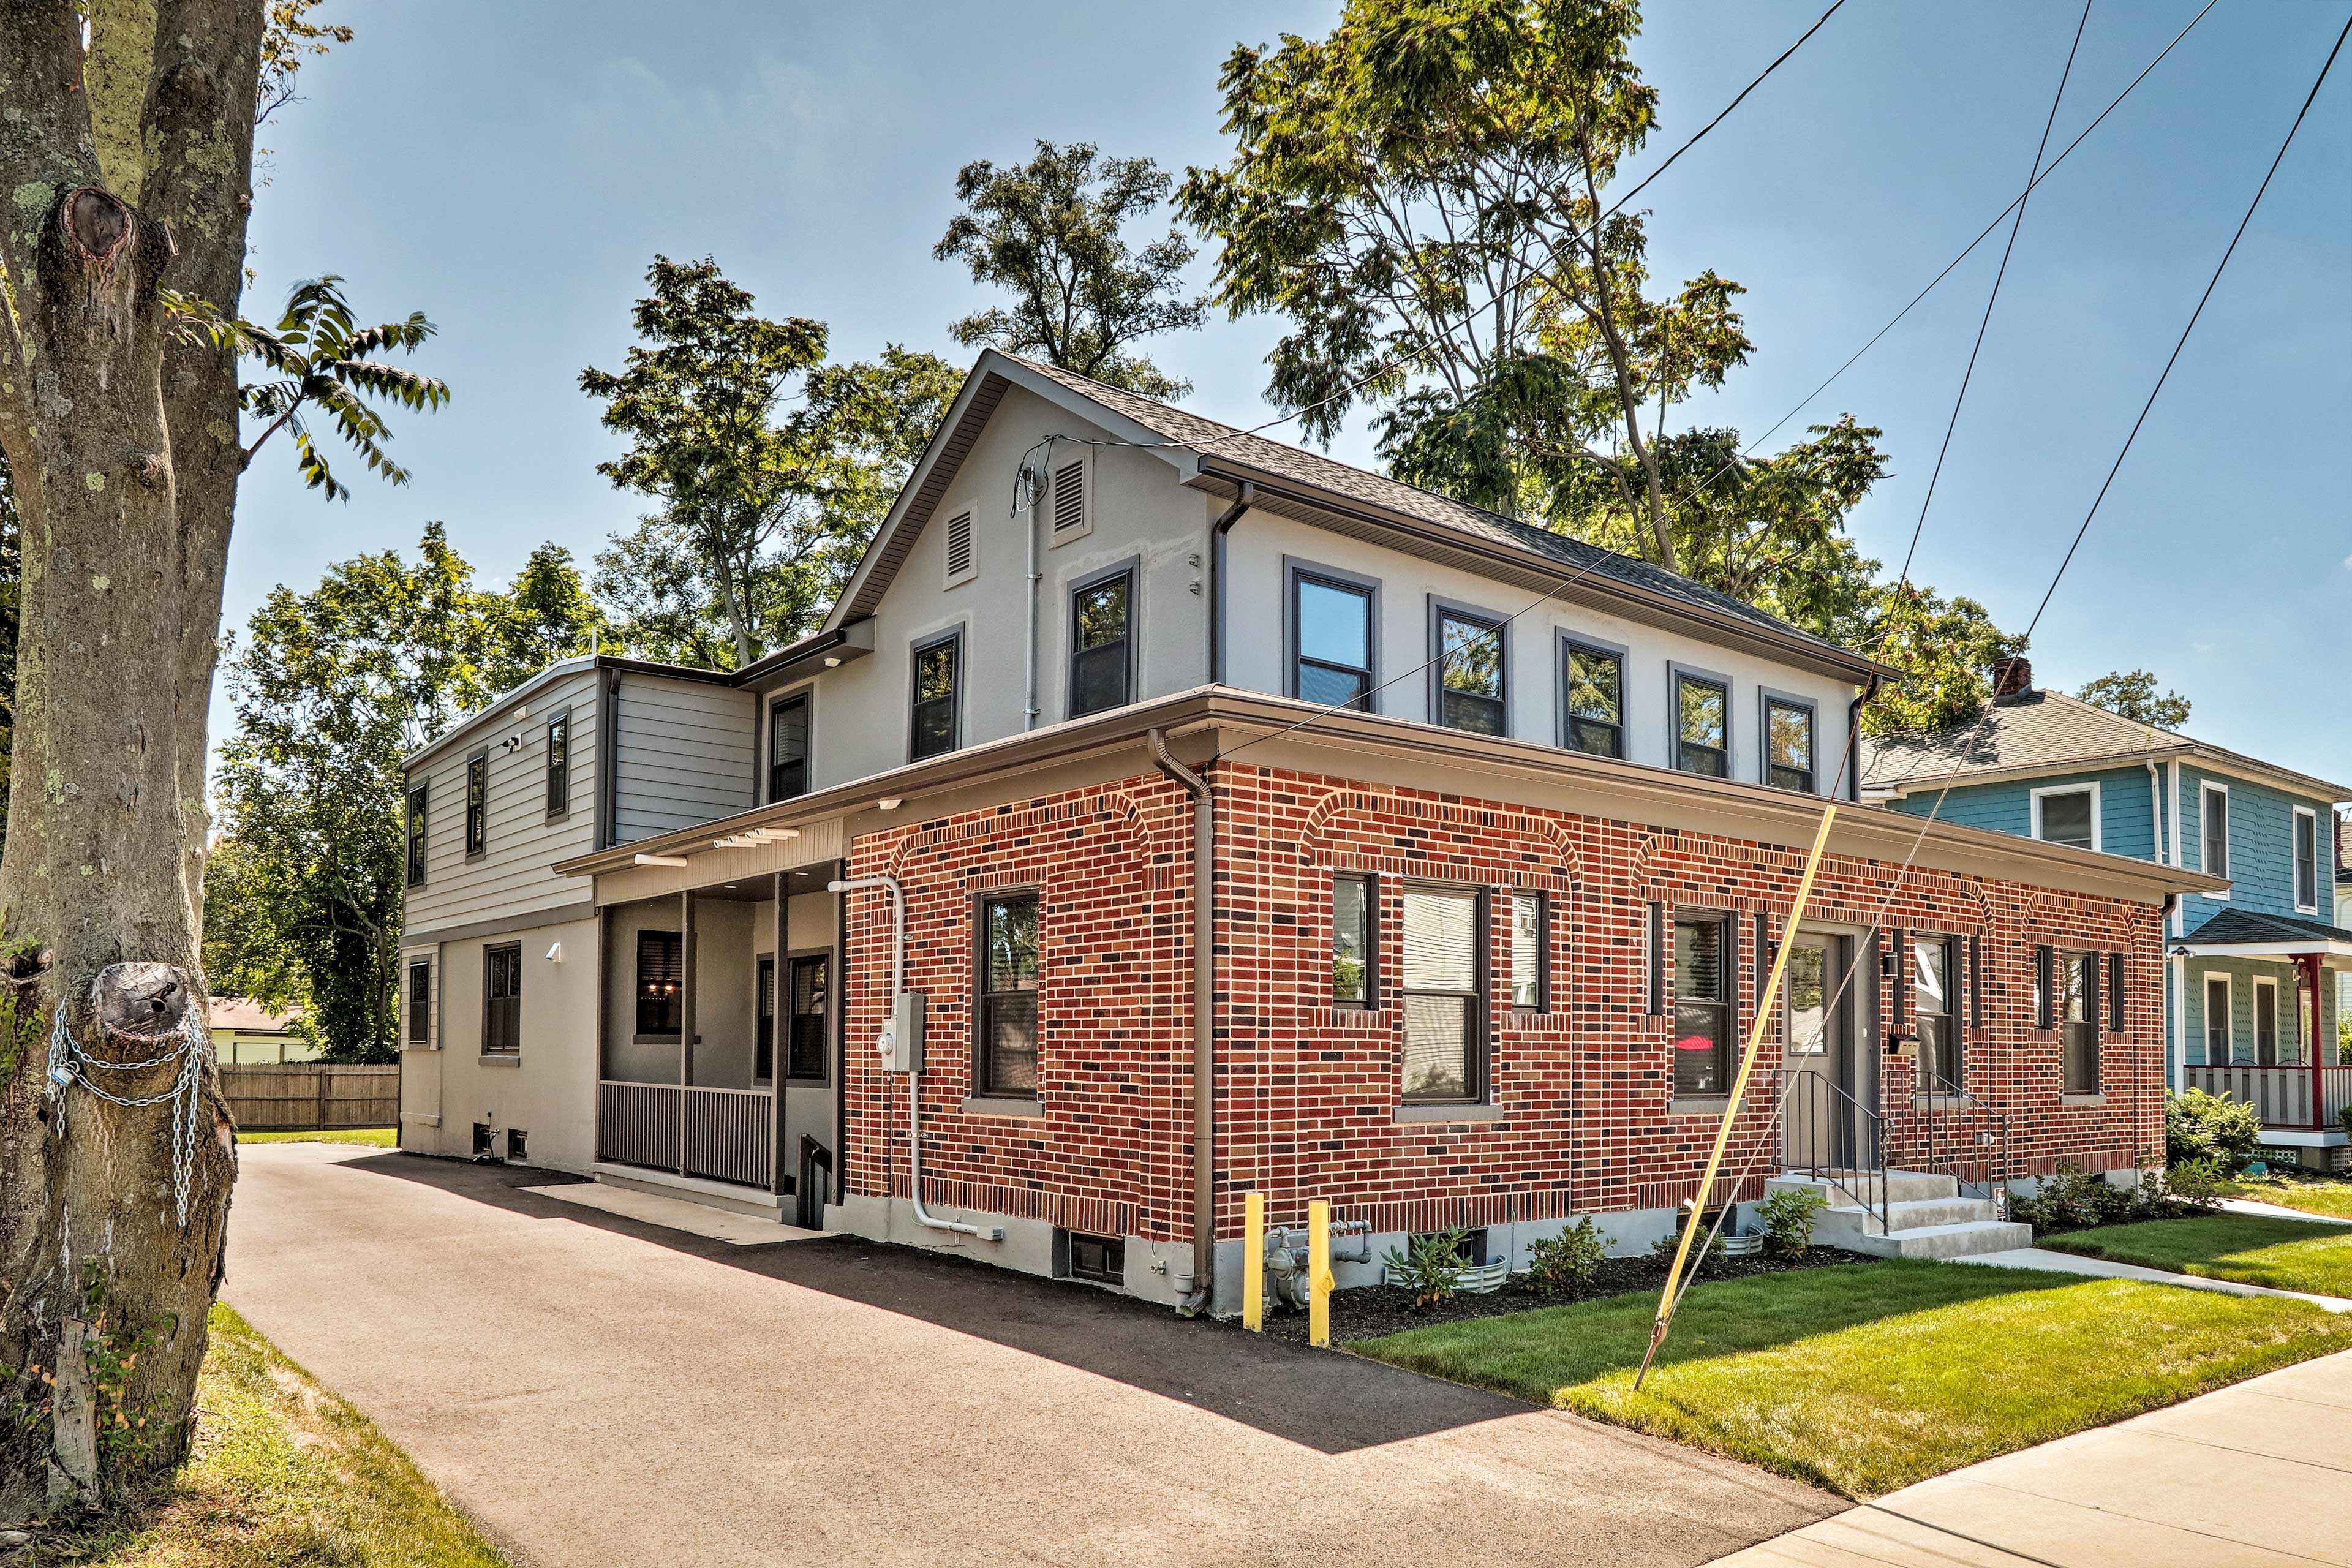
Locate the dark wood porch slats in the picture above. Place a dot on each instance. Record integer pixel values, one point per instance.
(719, 1134)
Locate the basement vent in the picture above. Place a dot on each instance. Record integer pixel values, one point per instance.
(1070, 498)
(518, 1143)
(958, 547)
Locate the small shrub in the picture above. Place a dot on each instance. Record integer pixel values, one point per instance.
(2201, 1126)
(1562, 1263)
(2345, 1116)
(1661, 1251)
(2072, 1199)
(1432, 1268)
(1788, 1215)
(2200, 1185)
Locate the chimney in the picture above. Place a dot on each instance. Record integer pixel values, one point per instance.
(2013, 677)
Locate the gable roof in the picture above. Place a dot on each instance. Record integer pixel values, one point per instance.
(2038, 733)
(1219, 458)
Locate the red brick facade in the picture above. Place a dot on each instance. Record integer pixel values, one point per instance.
(1307, 1093)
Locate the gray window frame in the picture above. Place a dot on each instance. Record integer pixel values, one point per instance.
(915, 651)
(1563, 643)
(1132, 570)
(1542, 896)
(1440, 609)
(1676, 673)
(491, 952)
(1955, 1054)
(784, 1013)
(2297, 817)
(1479, 1049)
(1726, 1043)
(419, 1030)
(806, 697)
(415, 842)
(985, 1087)
(1370, 1000)
(1766, 700)
(638, 1033)
(477, 844)
(556, 813)
(1293, 569)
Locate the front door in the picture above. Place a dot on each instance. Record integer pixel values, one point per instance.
(1816, 1128)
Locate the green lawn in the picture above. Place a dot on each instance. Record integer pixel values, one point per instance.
(1870, 1376)
(2253, 1250)
(374, 1137)
(2333, 1198)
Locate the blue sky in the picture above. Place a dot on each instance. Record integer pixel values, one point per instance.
(510, 169)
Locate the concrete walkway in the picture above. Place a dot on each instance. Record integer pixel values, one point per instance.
(597, 1389)
(2277, 1211)
(2106, 1268)
(2256, 1474)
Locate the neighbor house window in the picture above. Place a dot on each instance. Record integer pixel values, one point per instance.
(1787, 744)
(1355, 922)
(1530, 952)
(1470, 672)
(2266, 1024)
(1703, 1006)
(805, 1046)
(2067, 817)
(1594, 707)
(2306, 859)
(1934, 977)
(1004, 1057)
(661, 976)
(2079, 1018)
(477, 803)
(558, 763)
(1443, 1015)
(936, 680)
(788, 749)
(1331, 624)
(1101, 665)
(415, 829)
(1702, 726)
(2220, 1027)
(502, 999)
(420, 1002)
(2213, 801)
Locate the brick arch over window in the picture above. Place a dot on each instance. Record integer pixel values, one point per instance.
(1319, 838)
(949, 842)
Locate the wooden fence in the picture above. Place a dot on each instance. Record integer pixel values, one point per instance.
(266, 1097)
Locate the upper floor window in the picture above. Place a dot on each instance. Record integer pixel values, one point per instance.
(1331, 625)
(938, 680)
(1355, 926)
(1703, 1004)
(2068, 816)
(788, 748)
(477, 803)
(1004, 1017)
(1471, 672)
(1702, 726)
(2213, 817)
(1101, 670)
(558, 763)
(1787, 744)
(415, 832)
(502, 999)
(2307, 859)
(1444, 993)
(1594, 706)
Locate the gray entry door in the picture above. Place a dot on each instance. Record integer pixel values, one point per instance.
(1816, 1129)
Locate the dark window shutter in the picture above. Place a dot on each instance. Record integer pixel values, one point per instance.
(1901, 991)
(1657, 960)
(2114, 992)
(1876, 968)
(2045, 1005)
(1763, 953)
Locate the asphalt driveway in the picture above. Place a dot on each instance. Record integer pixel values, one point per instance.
(598, 1390)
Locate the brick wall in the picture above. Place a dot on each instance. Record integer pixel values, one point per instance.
(1307, 1093)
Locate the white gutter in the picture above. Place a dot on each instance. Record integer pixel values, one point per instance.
(914, 1077)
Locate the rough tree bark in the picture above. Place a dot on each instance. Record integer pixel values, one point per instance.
(119, 177)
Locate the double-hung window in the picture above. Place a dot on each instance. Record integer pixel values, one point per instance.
(1444, 994)
(2266, 1026)
(788, 748)
(2067, 817)
(1331, 629)
(2220, 1030)
(477, 803)
(937, 678)
(502, 999)
(1472, 671)
(1530, 952)
(1789, 745)
(1592, 715)
(558, 763)
(1704, 982)
(2079, 1023)
(1935, 991)
(2213, 827)
(420, 1002)
(1101, 660)
(805, 1043)
(1702, 726)
(2306, 859)
(1004, 1054)
(415, 834)
(1355, 927)
(661, 975)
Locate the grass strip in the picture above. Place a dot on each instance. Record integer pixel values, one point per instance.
(2253, 1250)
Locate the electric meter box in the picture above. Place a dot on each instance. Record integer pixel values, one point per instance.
(905, 1051)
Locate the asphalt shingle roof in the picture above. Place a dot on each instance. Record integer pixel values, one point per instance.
(2029, 730)
(2234, 926)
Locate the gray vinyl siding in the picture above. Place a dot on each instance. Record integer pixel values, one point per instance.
(685, 749)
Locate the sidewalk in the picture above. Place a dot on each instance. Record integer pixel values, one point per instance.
(2106, 1269)
(2239, 1477)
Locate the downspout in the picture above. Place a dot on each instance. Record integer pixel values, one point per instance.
(914, 1078)
(1029, 643)
(1204, 1048)
(2177, 1054)
(1854, 737)
(1217, 532)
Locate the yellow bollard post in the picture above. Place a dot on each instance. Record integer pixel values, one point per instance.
(1318, 1277)
(1254, 1261)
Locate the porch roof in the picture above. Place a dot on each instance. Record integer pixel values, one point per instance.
(2244, 934)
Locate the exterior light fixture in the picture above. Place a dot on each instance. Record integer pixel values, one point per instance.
(890, 803)
(831, 661)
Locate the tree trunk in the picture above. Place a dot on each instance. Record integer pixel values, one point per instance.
(112, 1216)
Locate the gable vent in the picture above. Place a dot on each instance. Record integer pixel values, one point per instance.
(959, 546)
(1069, 497)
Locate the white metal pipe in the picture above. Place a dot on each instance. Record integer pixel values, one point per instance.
(914, 1085)
(1031, 493)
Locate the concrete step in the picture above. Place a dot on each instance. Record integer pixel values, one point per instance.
(1836, 1226)
(1963, 1240)
(1861, 1189)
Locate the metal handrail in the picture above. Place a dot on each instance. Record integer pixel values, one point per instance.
(1851, 1134)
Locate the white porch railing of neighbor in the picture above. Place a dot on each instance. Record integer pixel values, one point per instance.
(722, 1135)
(2279, 1096)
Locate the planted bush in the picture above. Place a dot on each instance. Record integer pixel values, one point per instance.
(2201, 1126)
(1431, 1266)
(1788, 1215)
(1560, 1264)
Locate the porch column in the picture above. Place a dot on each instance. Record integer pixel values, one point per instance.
(777, 1076)
(2307, 965)
(685, 1015)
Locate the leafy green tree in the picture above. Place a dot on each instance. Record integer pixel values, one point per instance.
(2132, 694)
(1052, 232)
(1947, 648)
(330, 690)
(291, 39)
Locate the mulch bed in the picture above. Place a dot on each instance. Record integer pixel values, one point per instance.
(1368, 1311)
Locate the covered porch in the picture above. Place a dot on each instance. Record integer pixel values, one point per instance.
(2260, 1017)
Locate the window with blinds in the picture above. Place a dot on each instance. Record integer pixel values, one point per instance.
(959, 548)
(1703, 1006)
(1441, 991)
(804, 1059)
(502, 999)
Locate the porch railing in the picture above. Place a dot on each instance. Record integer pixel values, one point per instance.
(2279, 1096)
(720, 1134)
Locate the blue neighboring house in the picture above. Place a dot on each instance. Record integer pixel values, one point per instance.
(2251, 988)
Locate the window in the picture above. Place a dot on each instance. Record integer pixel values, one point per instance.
(788, 749)
(2213, 801)
(763, 1028)
(2067, 815)
(1442, 993)
(1934, 975)
(1100, 667)
(558, 763)
(415, 828)
(2079, 1016)
(958, 562)
(2266, 1023)
(804, 1048)
(1004, 1054)
(1101, 1258)
(2306, 859)
(1355, 924)
(2220, 1027)
(1703, 1006)
(502, 999)
(1531, 952)
(935, 698)
(1702, 726)
(1331, 628)
(1789, 745)
(477, 803)
(1593, 718)
(420, 1002)
(659, 975)
(1470, 672)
